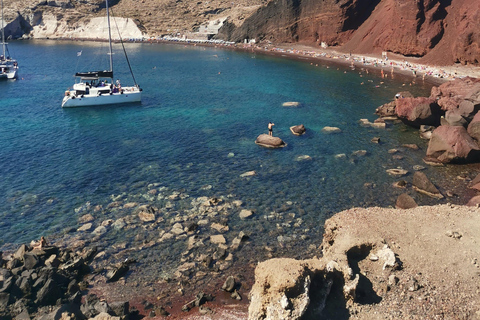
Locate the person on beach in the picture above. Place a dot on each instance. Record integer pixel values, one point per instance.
(270, 128)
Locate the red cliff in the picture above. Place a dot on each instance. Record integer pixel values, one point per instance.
(438, 31)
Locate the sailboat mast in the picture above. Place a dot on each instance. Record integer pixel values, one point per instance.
(3, 34)
(109, 38)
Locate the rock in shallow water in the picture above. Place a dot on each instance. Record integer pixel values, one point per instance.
(303, 157)
(298, 130)
(397, 172)
(268, 141)
(422, 184)
(331, 130)
(245, 214)
(248, 174)
(291, 104)
(404, 201)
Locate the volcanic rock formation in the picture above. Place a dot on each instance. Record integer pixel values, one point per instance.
(442, 32)
(452, 107)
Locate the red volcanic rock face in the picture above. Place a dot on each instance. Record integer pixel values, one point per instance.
(418, 111)
(450, 144)
(459, 93)
(442, 32)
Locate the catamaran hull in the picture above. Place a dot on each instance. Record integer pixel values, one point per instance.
(8, 75)
(104, 99)
(12, 75)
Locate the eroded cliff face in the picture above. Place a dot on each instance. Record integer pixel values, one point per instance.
(53, 18)
(440, 31)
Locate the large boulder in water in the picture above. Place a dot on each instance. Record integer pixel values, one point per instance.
(453, 144)
(268, 141)
(418, 111)
(298, 130)
(422, 184)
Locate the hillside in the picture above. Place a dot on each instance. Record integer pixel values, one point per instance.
(442, 32)
(153, 17)
(438, 31)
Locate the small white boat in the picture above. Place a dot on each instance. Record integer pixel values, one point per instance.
(96, 88)
(8, 66)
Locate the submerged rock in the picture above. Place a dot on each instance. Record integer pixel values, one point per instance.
(397, 172)
(248, 174)
(329, 130)
(291, 104)
(245, 214)
(303, 157)
(218, 239)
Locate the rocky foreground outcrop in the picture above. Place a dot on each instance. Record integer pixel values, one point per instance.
(46, 282)
(449, 118)
(379, 264)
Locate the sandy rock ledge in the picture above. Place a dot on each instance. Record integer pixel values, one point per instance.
(379, 264)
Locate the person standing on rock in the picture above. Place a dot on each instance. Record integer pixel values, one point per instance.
(270, 128)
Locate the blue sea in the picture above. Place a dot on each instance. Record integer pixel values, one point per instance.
(194, 135)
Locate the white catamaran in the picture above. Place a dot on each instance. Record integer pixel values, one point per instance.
(8, 66)
(97, 88)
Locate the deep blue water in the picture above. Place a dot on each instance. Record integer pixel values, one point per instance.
(199, 105)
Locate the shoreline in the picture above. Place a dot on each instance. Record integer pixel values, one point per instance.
(391, 63)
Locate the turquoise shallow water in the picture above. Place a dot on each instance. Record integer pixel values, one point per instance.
(199, 105)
